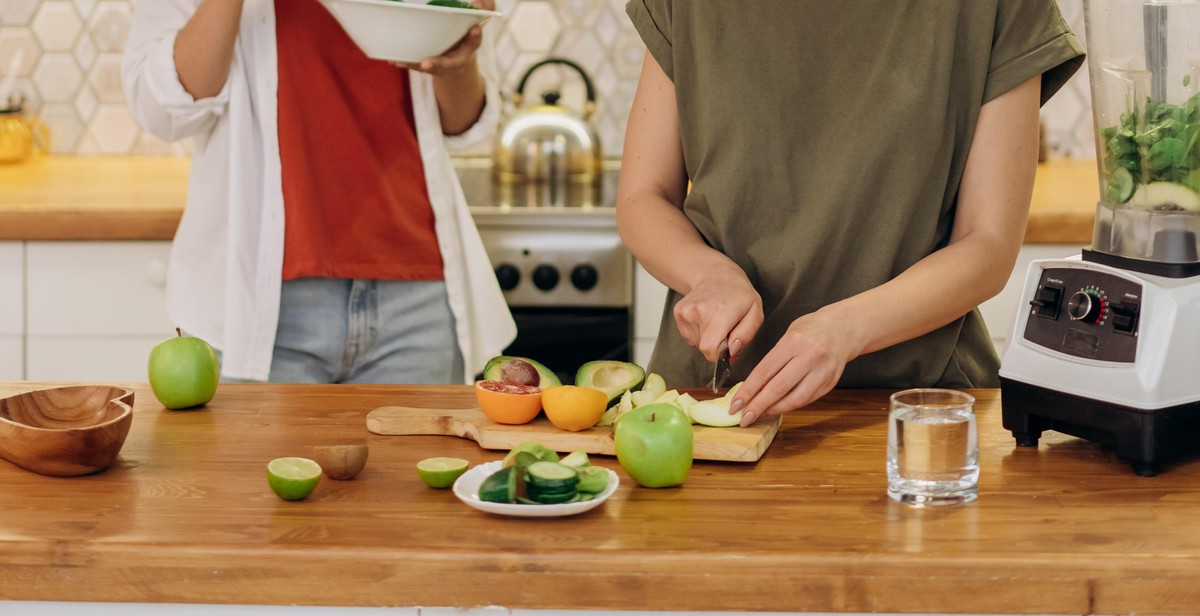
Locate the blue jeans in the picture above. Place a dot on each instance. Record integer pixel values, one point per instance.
(365, 331)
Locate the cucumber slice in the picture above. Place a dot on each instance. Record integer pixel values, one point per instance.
(551, 477)
(592, 480)
(1119, 186)
(553, 498)
(500, 486)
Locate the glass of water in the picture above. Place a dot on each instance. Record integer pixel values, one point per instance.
(933, 449)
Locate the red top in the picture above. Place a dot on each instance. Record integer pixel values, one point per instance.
(354, 194)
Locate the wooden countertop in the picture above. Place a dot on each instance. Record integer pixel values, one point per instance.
(130, 198)
(186, 516)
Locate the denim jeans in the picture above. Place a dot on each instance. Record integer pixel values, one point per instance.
(365, 331)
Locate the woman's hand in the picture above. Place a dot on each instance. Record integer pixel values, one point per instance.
(804, 365)
(458, 58)
(722, 305)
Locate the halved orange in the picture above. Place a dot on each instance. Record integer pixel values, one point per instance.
(507, 403)
(573, 408)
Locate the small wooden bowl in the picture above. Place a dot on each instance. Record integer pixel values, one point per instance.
(65, 431)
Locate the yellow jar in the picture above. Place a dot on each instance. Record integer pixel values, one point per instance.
(21, 137)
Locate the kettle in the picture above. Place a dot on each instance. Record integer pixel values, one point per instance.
(549, 142)
(21, 137)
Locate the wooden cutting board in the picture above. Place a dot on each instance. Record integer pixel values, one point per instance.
(726, 444)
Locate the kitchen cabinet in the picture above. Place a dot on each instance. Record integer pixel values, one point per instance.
(95, 309)
(12, 310)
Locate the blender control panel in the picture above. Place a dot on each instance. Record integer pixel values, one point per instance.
(1086, 314)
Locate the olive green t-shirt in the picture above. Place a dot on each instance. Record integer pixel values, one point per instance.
(825, 142)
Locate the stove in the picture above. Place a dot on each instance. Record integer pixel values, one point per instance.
(566, 276)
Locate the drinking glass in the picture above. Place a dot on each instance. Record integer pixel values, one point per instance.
(933, 449)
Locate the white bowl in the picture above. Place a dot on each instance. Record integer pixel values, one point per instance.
(407, 31)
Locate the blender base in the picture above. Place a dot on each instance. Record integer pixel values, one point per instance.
(1147, 439)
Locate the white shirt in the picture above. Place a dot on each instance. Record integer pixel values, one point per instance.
(225, 271)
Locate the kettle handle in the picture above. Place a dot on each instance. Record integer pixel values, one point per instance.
(519, 95)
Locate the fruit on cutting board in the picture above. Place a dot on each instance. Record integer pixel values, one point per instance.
(573, 408)
(508, 403)
(183, 371)
(519, 371)
(654, 445)
(611, 377)
(341, 462)
(714, 413)
(293, 478)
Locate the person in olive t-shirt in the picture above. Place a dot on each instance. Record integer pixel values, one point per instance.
(860, 175)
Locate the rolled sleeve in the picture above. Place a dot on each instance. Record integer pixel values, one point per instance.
(653, 24)
(1032, 39)
(156, 97)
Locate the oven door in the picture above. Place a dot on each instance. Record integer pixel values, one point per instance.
(563, 339)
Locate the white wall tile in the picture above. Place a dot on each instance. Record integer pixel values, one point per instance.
(595, 33)
(57, 25)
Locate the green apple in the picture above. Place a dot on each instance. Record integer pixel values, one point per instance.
(183, 371)
(654, 445)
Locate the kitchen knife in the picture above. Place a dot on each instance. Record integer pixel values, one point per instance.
(721, 368)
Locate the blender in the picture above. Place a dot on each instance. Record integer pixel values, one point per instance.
(1109, 347)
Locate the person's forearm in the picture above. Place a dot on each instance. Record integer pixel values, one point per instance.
(666, 243)
(993, 204)
(204, 47)
(460, 97)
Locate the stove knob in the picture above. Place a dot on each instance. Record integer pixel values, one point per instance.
(508, 276)
(584, 277)
(545, 277)
(1084, 306)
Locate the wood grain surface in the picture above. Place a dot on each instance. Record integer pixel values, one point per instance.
(185, 516)
(723, 444)
(142, 198)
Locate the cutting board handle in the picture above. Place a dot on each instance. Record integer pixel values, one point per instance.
(408, 420)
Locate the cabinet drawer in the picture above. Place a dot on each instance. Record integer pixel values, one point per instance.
(12, 285)
(97, 288)
(89, 358)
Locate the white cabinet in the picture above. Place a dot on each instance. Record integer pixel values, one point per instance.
(998, 312)
(648, 297)
(12, 311)
(95, 309)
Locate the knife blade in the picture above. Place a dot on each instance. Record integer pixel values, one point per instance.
(721, 368)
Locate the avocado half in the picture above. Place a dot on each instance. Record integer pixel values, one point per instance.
(610, 376)
(520, 371)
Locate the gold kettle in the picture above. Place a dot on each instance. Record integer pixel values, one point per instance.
(21, 137)
(549, 142)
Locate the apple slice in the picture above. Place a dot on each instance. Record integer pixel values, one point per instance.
(714, 413)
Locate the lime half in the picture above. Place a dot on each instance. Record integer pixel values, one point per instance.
(441, 472)
(293, 478)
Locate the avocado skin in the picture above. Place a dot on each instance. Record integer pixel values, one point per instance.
(494, 368)
(610, 376)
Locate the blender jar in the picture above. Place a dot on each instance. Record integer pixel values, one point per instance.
(1144, 66)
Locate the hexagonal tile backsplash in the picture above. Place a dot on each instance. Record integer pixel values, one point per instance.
(70, 69)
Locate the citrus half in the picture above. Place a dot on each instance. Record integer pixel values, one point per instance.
(507, 403)
(441, 472)
(293, 478)
(573, 408)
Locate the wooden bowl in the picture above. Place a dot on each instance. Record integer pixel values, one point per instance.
(65, 431)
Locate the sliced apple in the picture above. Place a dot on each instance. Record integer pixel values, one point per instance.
(1158, 194)
(714, 413)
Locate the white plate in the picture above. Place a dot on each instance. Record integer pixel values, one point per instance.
(466, 488)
